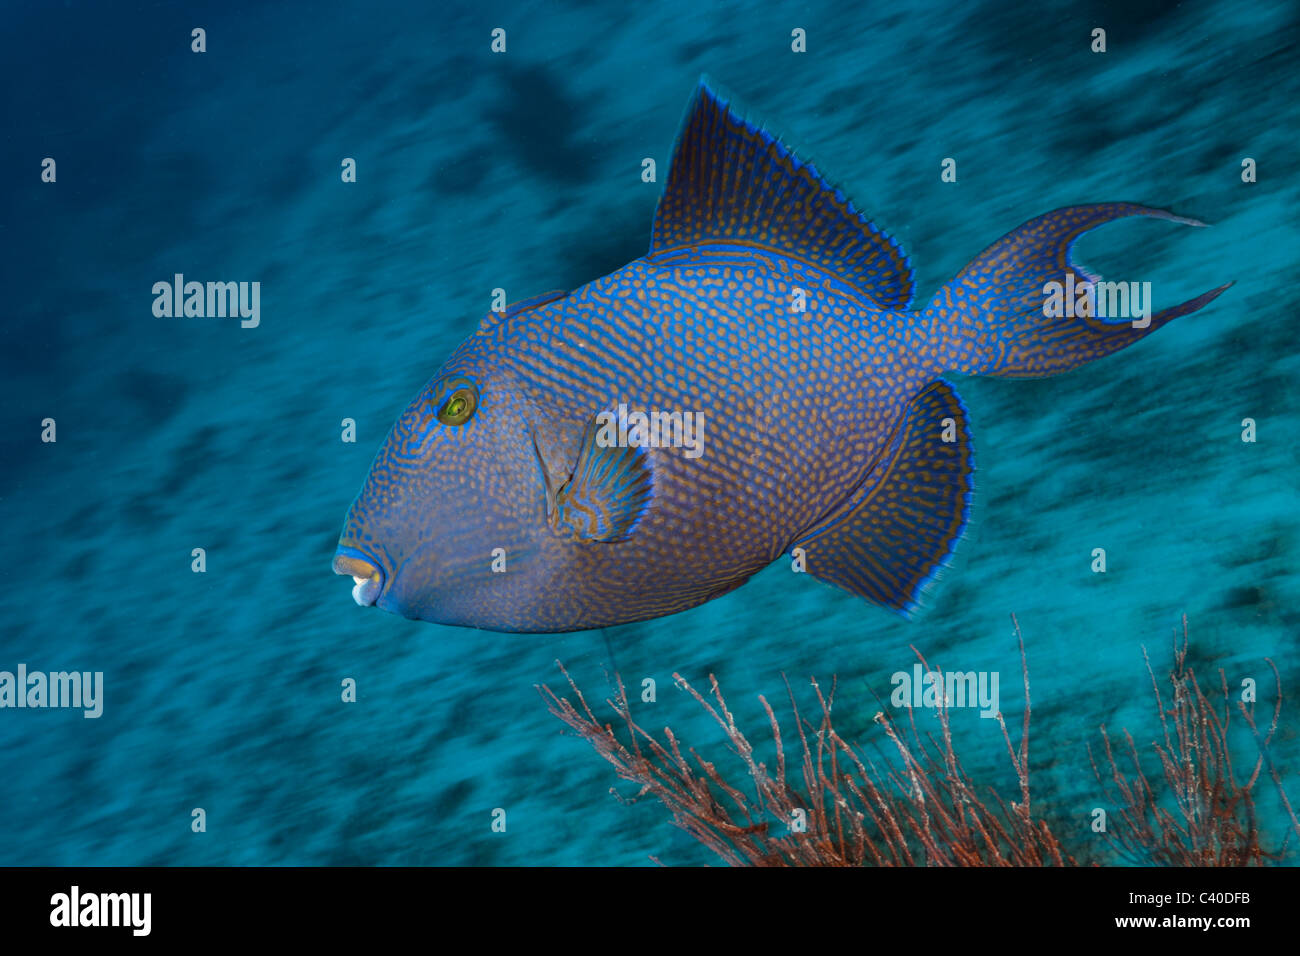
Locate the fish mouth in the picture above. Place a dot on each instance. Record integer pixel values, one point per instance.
(364, 571)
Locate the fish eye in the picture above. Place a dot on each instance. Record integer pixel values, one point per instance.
(459, 406)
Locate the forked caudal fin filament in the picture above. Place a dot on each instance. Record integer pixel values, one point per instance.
(998, 316)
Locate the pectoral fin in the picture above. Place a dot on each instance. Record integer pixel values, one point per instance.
(608, 493)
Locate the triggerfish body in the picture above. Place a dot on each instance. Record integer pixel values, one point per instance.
(757, 384)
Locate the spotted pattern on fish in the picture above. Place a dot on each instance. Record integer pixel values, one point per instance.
(823, 431)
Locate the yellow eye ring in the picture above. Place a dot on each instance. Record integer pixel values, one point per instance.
(459, 406)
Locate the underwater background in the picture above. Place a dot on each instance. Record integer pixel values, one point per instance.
(522, 170)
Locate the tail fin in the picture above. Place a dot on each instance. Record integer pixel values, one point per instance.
(993, 318)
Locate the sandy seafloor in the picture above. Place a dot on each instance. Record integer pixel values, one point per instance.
(523, 171)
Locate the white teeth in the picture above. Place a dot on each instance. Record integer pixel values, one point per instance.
(366, 590)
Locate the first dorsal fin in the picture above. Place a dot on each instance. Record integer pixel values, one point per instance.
(732, 181)
(494, 320)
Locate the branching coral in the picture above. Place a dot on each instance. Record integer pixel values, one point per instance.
(918, 806)
(838, 807)
(1213, 820)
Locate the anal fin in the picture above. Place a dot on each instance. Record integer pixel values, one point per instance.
(888, 542)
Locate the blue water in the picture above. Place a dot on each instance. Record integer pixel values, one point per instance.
(522, 171)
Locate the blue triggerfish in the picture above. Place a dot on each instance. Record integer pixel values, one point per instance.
(757, 384)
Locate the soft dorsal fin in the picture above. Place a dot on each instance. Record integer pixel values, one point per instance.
(732, 181)
(609, 491)
(889, 541)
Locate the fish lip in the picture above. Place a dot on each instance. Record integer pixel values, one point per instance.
(364, 570)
